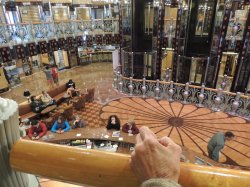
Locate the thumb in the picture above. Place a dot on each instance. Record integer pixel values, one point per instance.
(165, 141)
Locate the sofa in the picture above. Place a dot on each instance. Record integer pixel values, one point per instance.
(56, 93)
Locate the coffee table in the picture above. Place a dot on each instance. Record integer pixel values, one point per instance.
(48, 109)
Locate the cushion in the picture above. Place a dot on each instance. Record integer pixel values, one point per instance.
(29, 115)
(58, 97)
(24, 109)
(52, 92)
(61, 88)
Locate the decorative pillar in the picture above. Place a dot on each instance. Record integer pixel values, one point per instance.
(240, 82)
(177, 44)
(161, 14)
(9, 134)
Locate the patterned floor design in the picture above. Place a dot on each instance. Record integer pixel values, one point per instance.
(91, 114)
(187, 125)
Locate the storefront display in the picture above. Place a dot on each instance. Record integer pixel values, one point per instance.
(61, 58)
(13, 75)
(227, 67)
(3, 81)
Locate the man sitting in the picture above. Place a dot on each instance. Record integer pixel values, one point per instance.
(78, 122)
(36, 105)
(37, 130)
(60, 126)
(46, 99)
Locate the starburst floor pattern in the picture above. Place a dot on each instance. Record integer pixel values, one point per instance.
(187, 125)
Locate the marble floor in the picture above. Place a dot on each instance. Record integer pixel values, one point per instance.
(98, 75)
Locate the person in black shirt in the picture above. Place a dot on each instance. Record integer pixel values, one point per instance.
(113, 123)
(71, 88)
(70, 83)
(36, 105)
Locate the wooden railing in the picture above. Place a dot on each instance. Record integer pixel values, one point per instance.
(99, 168)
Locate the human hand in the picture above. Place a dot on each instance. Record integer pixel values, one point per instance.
(130, 131)
(37, 138)
(62, 131)
(33, 138)
(153, 158)
(58, 131)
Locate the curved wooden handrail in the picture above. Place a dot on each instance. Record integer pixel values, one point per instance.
(99, 168)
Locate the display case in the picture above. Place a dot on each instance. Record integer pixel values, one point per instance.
(197, 70)
(227, 67)
(30, 13)
(60, 13)
(236, 26)
(167, 62)
(83, 13)
(204, 19)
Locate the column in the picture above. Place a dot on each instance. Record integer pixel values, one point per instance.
(9, 134)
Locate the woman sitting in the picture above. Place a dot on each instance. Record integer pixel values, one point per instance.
(71, 89)
(46, 99)
(130, 127)
(78, 122)
(60, 126)
(113, 123)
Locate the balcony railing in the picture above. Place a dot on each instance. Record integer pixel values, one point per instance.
(216, 99)
(22, 33)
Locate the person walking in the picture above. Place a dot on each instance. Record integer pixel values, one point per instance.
(49, 77)
(54, 72)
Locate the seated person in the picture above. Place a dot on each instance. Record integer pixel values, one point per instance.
(70, 83)
(113, 123)
(71, 92)
(60, 126)
(78, 122)
(71, 88)
(36, 105)
(37, 130)
(130, 127)
(46, 99)
(24, 127)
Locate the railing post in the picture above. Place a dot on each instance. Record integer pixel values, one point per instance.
(144, 88)
(157, 89)
(186, 94)
(171, 92)
(235, 104)
(224, 82)
(130, 87)
(167, 75)
(201, 96)
(120, 83)
(217, 101)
